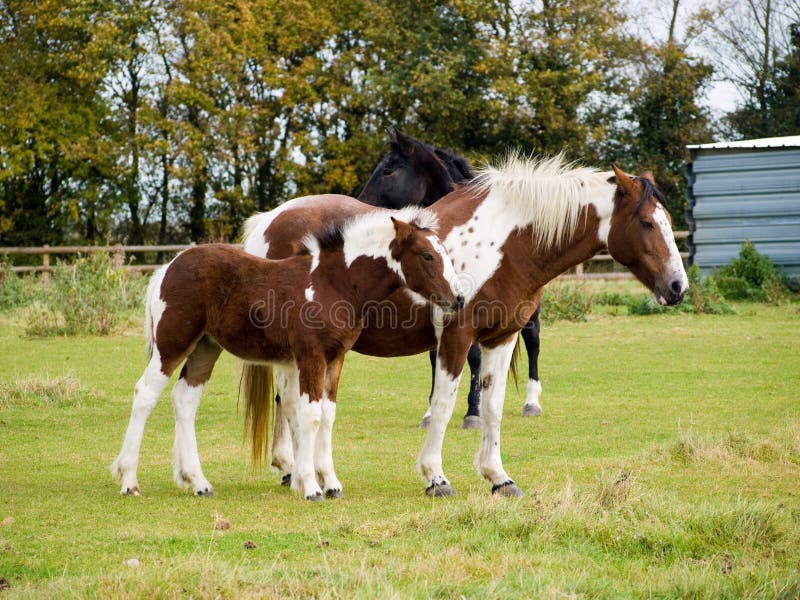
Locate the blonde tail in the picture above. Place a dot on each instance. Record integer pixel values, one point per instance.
(259, 395)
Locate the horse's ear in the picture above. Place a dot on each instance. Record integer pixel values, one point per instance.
(404, 143)
(648, 174)
(402, 230)
(623, 181)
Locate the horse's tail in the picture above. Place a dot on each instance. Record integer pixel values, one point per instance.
(514, 359)
(152, 294)
(258, 393)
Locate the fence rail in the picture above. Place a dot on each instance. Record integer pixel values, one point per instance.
(47, 251)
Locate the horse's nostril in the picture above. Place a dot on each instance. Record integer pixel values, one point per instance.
(459, 302)
(676, 286)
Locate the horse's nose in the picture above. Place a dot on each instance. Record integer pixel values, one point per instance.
(459, 302)
(677, 290)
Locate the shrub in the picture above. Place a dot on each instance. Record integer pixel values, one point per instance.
(15, 291)
(564, 302)
(702, 297)
(95, 295)
(614, 298)
(751, 276)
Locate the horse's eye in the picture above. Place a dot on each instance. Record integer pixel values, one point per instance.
(427, 256)
(388, 170)
(647, 225)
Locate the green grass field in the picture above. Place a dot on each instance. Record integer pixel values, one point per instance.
(667, 464)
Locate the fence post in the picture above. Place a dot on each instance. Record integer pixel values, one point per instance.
(579, 270)
(46, 265)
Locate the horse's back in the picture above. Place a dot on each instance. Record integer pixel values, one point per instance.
(280, 232)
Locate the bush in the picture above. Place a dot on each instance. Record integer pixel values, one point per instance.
(614, 298)
(751, 276)
(702, 297)
(94, 296)
(15, 291)
(564, 302)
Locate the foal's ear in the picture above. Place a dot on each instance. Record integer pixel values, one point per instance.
(623, 181)
(648, 174)
(403, 232)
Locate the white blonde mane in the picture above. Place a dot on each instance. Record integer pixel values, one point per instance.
(546, 192)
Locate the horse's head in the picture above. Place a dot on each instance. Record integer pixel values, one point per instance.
(411, 173)
(641, 237)
(425, 264)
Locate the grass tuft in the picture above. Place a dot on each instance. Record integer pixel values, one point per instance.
(37, 390)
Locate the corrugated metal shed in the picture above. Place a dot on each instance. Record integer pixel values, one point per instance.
(745, 190)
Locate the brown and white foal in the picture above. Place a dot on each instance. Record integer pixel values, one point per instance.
(301, 314)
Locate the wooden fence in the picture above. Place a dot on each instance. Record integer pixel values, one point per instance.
(46, 252)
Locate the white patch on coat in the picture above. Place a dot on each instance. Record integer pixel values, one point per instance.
(546, 195)
(371, 234)
(254, 227)
(310, 293)
(154, 307)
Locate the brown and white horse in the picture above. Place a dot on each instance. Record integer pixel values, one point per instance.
(509, 232)
(301, 314)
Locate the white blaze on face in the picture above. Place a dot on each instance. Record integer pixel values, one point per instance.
(674, 266)
(449, 272)
(310, 293)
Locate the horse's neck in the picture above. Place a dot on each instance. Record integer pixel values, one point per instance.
(590, 236)
(487, 237)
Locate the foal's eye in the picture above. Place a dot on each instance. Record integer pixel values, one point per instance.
(647, 225)
(427, 256)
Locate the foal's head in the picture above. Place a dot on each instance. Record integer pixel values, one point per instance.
(425, 265)
(641, 237)
(413, 173)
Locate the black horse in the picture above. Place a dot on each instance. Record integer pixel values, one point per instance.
(415, 173)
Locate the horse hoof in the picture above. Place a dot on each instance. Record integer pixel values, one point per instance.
(509, 488)
(440, 490)
(336, 494)
(531, 410)
(206, 493)
(425, 423)
(286, 480)
(318, 497)
(134, 491)
(471, 422)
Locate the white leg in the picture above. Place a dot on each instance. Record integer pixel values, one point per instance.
(533, 391)
(323, 452)
(187, 471)
(494, 373)
(309, 416)
(282, 444)
(145, 396)
(429, 463)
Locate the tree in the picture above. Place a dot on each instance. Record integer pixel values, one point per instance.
(778, 111)
(52, 151)
(750, 38)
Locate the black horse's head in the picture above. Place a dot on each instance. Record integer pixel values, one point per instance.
(413, 173)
